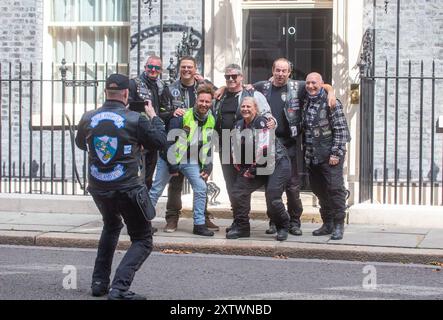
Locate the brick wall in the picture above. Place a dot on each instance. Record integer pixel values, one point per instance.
(21, 36)
(177, 16)
(421, 31)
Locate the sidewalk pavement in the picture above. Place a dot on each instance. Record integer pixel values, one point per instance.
(377, 243)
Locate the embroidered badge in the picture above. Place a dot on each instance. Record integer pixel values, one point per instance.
(105, 147)
(283, 96)
(291, 113)
(175, 93)
(127, 149)
(326, 131)
(116, 173)
(118, 120)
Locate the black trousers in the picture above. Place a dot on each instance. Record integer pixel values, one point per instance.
(113, 206)
(230, 175)
(295, 206)
(327, 183)
(274, 184)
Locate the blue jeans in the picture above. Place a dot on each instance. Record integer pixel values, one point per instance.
(192, 172)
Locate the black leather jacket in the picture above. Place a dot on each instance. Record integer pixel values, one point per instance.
(143, 88)
(272, 150)
(176, 96)
(113, 136)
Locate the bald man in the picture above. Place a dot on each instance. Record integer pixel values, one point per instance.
(326, 134)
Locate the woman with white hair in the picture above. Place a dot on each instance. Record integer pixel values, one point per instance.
(260, 160)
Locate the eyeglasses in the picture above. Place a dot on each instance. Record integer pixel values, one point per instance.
(152, 67)
(231, 76)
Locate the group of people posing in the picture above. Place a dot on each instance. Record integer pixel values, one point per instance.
(254, 128)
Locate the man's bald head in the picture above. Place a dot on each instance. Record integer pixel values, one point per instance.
(315, 75)
(314, 82)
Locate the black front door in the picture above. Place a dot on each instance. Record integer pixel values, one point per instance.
(303, 36)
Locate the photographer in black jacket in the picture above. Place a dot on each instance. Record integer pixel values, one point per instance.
(113, 136)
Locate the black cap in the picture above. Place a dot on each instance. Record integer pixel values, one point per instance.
(117, 81)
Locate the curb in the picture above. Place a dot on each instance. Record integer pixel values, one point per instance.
(34, 203)
(308, 216)
(243, 247)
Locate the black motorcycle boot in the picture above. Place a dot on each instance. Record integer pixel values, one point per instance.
(338, 232)
(236, 232)
(282, 234)
(233, 225)
(325, 229)
(294, 228)
(116, 294)
(272, 228)
(202, 230)
(99, 288)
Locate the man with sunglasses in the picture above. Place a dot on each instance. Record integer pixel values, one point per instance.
(227, 113)
(148, 86)
(178, 98)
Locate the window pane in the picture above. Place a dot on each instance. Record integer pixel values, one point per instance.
(90, 10)
(87, 45)
(99, 55)
(117, 46)
(82, 10)
(94, 44)
(63, 10)
(117, 10)
(65, 44)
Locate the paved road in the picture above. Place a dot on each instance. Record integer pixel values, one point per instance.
(41, 273)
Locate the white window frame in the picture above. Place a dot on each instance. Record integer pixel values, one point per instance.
(48, 26)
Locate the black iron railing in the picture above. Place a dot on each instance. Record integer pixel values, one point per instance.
(38, 121)
(398, 109)
(37, 124)
(398, 159)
